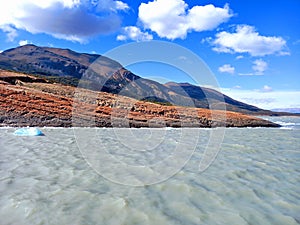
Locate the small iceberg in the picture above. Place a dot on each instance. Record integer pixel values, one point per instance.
(28, 131)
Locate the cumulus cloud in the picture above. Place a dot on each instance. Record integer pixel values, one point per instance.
(246, 40)
(23, 42)
(227, 68)
(73, 20)
(259, 66)
(135, 34)
(172, 19)
(266, 88)
(111, 5)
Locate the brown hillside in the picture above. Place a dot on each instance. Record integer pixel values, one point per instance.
(29, 101)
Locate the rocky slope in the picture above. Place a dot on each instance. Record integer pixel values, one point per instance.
(26, 100)
(104, 74)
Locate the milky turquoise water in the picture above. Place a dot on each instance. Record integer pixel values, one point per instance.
(255, 179)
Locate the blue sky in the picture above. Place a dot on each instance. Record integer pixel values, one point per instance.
(251, 46)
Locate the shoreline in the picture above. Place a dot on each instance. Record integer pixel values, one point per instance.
(142, 127)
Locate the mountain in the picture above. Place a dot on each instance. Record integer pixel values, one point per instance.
(57, 64)
(49, 61)
(288, 110)
(201, 94)
(96, 72)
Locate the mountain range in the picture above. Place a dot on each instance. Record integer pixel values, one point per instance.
(96, 72)
(289, 110)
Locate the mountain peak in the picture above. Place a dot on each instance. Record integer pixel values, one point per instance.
(22, 49)
(172, 83)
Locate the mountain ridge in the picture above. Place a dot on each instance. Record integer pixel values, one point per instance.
(100, 73)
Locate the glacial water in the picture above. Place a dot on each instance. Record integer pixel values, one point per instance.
(55, 179)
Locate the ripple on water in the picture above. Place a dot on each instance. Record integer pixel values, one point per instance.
(254, 180)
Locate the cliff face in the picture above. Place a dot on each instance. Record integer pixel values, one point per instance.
(68, 67)
(29, 101)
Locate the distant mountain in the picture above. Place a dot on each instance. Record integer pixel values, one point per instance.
(103, 74)
(289, 110)
(201, 95)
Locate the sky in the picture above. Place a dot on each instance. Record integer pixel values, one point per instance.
(252, 46)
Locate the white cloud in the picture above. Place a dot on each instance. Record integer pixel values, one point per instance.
(121, 5)
(11, 32)
(135, 34)
(111, 5)
(266, 88)
(246, 74)
(206, 40)
(297, 42)
(172, 19)
(265, 100)
(258, 101)
(247, 40)
(259, 66)
(239, 57)
(227, 68)
(73, 20)
(23, 42)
